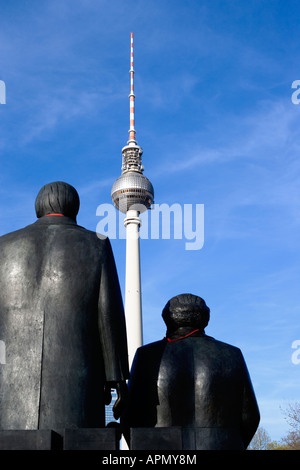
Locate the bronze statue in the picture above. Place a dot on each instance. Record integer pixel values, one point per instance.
(191, 380)
(61, 319)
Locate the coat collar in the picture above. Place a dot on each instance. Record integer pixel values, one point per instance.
(55, 220)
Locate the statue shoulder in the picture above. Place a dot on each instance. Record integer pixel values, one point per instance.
(150, 350)
(221, 345)
(12, 236)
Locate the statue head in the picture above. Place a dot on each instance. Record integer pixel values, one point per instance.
(58, 198)
(186, 310)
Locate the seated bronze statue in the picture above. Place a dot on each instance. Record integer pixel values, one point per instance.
(191, 380)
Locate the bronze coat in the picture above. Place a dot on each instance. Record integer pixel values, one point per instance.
(196, 382)
(62, 321)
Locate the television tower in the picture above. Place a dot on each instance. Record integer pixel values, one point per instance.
(132, 193)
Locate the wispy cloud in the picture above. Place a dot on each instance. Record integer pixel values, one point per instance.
(269, 133)
(49, 113)
(265, 147)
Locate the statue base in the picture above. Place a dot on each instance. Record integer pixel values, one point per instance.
(30, 440)
(66, 439)
(185, 438)
(108, 439)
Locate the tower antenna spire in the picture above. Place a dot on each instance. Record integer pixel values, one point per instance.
(132, 130)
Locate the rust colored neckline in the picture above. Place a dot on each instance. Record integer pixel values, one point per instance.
(181, 337)
(61, 215)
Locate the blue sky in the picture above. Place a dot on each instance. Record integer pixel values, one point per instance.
(215, 119)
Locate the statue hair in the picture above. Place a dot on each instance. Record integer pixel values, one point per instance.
(57, 197)
(186, 310)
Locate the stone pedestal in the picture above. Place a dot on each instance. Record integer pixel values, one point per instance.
(91, 439)
(30, 440)
(185, 438)
(156, 438)
(65, 439)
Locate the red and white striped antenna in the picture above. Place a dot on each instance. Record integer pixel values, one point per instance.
(131, 98)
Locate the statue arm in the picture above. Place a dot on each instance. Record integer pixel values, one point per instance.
(122, 396)
(112, 329)
(250, 411)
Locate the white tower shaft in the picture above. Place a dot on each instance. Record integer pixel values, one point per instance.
(133, 303)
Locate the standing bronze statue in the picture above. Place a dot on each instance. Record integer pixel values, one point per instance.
(61, 320)
(191, 380)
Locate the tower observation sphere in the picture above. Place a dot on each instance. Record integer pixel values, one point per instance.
(132, 190)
